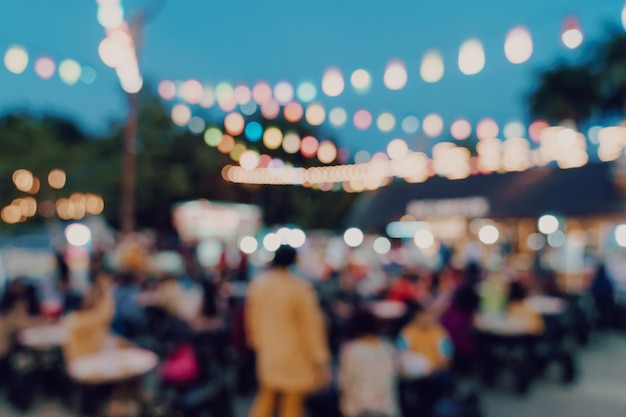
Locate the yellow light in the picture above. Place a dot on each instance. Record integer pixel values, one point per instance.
(432, 68)
(23, 180)
(69, 71)
(16, 59)
(327, 152)
(65, 209)
(433, 125)
(315, 114)
(518, 46)
(397, 149)
(181, 114)
(57, 179)
(234, 124)
(237, 151)
(332, 82)
(386, 122)
(272, 138)
(395, 77)
(11, 214)
(361, 81)
(471, 57)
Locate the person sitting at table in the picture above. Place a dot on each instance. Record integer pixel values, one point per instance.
(424, 336)
(129, 319)
(367, 371)
(518, 308)
(88, 328)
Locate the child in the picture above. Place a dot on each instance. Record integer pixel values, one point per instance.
(367, 373)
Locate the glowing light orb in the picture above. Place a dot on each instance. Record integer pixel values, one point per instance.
(248, 245)
(315, 114)
(535, 129)
(620, 235)
(338, 117)
(433, 125)
(361, 81)
(249, 160)
(78, 234)
(242, 94)
(249, 108)
(283, 92)
(487, 129)
(536, 241)
(110, 15)
(208, 98)
(326, 152)
(432, 68)
(234, 124)
(212, 136)
(271, 242)
(518, 46)
(308, 146)
(397, 149)
(514, 130)
(296, 238)
(272, 138)
(254, 131)
(362, 119)
(572, 35)
(461, 129)
(261, 92)
(386, 122)
(88, 75)
(395, 77)
(197, 125)
(181, 114)
(167, 90)
(353, 237)
(382, 245)
(471, 57)
(332, 82)
(16, 59)
(548, 224)
(489, 234)
(424, 239)
(306, 92)
(293, 112)
(57, 179)
(45, 67)
(192, 91)
(291, 143)
(410, 124)
(237, 151)
(270, 109)
(362, 157)
(557, 239)
(227, 144)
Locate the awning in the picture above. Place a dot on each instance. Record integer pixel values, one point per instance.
(578, 192)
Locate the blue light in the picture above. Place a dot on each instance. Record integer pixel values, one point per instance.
(254, 131)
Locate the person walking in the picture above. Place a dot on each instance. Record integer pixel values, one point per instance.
(284, 326)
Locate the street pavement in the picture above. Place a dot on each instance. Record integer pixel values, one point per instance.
(599, 392)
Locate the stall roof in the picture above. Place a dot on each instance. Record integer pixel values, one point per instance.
(589, 190)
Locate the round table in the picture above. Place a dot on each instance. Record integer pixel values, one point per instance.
(42, 337)
(112, 366)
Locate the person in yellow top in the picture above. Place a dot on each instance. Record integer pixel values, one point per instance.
(518, 308)
(425, 337)
(88, 328)
(284, 326)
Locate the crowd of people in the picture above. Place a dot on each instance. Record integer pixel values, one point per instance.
(412, 347)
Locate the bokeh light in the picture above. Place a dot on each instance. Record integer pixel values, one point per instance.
(536, 241)
(16, 59)
(308, 146)
(296, 238)
(461, 129)
(110, 15)
(518, 46)
(489, 234)
(362, 119)
(197, 125)
(432, 125)
(23, 180)
(386, 122)
(249, 160)
(572, 35)
(557, 239)
(471, 57)
(332, 82)
(116, 49)
(326, 152)
(57, 179)
(291, 143)
(45, 67)
(362, 157)
(382, 245)
(361, 81)
(181, 114)
(270, 109)
(514, 129)
(234, 124)
(167, 90)
(272, 138)
(293, 112)
(487, 129)
(88, 75)
(212, 136)
(11, 214)
(548, 224)
(249, 108)
(225, 95)
(353, 237)
(271, 242)
(432, 68)
(410, 124)
(261, 92)
(69, 71)
(254, 131)
(397, 149)
(226, 145)
(395, 77)
(283, 92)
(242, 94)
(248, 245)
(535, 129)
(620, 235)
(338, 117)
(315, 114)
(306, 92)
(424, 239)
(192, 91)
(237, 151)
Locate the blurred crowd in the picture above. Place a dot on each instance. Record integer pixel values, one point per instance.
(421, 341)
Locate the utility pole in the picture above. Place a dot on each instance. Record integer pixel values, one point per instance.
(129, 167)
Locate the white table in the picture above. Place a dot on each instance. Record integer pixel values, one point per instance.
(43, 337)
(112, 366)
